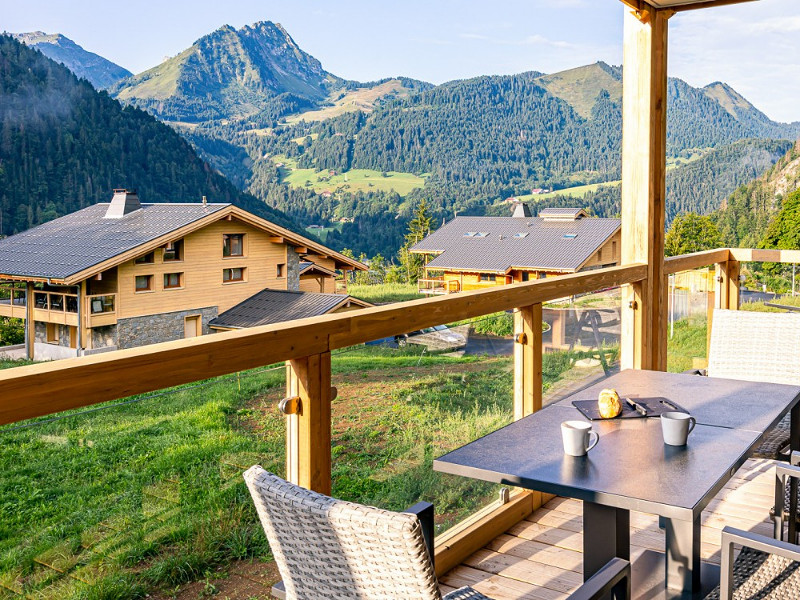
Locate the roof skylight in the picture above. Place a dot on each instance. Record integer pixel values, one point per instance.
(570, 236)
(521, 235)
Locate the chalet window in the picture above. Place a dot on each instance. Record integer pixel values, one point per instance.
(144, 283)
(600, 254)
(526, 276)
(146, 259)
(230, 275)
(173, 280)
(233, 244)
(173, 251)
(281, 270)
(614, 250)
(488, 277)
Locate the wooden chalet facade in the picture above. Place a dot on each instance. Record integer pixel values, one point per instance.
(471, 253)
(127, 274)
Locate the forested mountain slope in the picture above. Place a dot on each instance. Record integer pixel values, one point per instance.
(64, 146)
(232, 73)
(744, 217)
(99, 71)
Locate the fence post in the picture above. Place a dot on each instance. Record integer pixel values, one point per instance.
(527, 360)
(308, 431)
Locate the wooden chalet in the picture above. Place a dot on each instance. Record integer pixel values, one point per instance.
(472, 253)
(127, 274)
(526, 544)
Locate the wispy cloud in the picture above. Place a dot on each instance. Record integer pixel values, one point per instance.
(529, 40)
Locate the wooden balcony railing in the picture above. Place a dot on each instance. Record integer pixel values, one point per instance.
(101, 310)
(438, 286)
(306, 344)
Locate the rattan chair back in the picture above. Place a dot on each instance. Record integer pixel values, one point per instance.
(328, 548)
(755, 346)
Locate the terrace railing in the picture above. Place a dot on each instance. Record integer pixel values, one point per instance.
(306, 346)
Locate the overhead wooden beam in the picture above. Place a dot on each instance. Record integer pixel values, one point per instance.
(710, 4)
(644, 133)
(276, 239)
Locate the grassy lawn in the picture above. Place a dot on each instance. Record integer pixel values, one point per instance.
(578, 191)
(385, 292)
(144, 496)
(355, 180)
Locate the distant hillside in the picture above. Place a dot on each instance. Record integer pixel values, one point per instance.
(744, 217)
(64, 146)
(231, 73)
(99, 71)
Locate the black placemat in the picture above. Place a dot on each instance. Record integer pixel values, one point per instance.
(654, 406)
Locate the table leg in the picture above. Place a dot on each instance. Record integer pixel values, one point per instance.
(794, 445)
(683, 555)
(606, 535)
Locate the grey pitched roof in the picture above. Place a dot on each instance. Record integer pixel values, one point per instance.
(500, 243)
(275, 306)
(80, 240)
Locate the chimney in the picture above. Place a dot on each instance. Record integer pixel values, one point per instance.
(123, 203)
(522, 211)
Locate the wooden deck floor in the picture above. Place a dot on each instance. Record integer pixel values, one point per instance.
(541, 557)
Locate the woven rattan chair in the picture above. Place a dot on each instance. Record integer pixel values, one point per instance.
(756, 346)
(766, 568)
(327, 548)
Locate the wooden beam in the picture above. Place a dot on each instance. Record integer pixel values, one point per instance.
(276, 239)
(308, 433)
(781, 256)
(527, 360)
(52, 387)
(709, 4)
(644, 131)
(727, 285)
(697, 260)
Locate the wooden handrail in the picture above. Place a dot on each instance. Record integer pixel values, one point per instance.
(696, 260)
(46, 388)
(778, 256)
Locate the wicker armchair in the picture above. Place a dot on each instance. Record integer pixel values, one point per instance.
(766, 568)
(755, 346)
(327, 548)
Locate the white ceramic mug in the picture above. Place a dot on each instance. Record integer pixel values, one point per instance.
(577, 436)
(676, 427)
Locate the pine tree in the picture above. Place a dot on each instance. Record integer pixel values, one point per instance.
(418, 229)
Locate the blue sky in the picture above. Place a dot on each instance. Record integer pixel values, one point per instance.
(754, 47)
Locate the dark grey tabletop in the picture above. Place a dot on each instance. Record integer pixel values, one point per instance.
(630, 467)
(712, 401)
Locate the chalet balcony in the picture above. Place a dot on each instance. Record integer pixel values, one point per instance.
(523, 545)
(101, 310)
(438, 286)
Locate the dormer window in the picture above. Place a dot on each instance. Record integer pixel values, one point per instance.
(173, 251)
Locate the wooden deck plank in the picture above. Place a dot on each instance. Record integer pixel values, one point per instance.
(540, 558)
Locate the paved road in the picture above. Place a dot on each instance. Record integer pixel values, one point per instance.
(490, 345)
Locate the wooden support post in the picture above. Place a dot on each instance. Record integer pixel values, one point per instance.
(644, 133)
(727, 285)
(30, 324)
(527, 360)
(308, 432)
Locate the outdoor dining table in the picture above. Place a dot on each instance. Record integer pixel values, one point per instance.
(632, 469)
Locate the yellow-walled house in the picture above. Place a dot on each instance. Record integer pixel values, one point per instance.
(471, 253)
(125, 274)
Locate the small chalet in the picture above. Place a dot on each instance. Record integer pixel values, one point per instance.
(126, 274)
(476, 252)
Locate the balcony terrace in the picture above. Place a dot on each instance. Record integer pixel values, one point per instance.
(528, 545)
